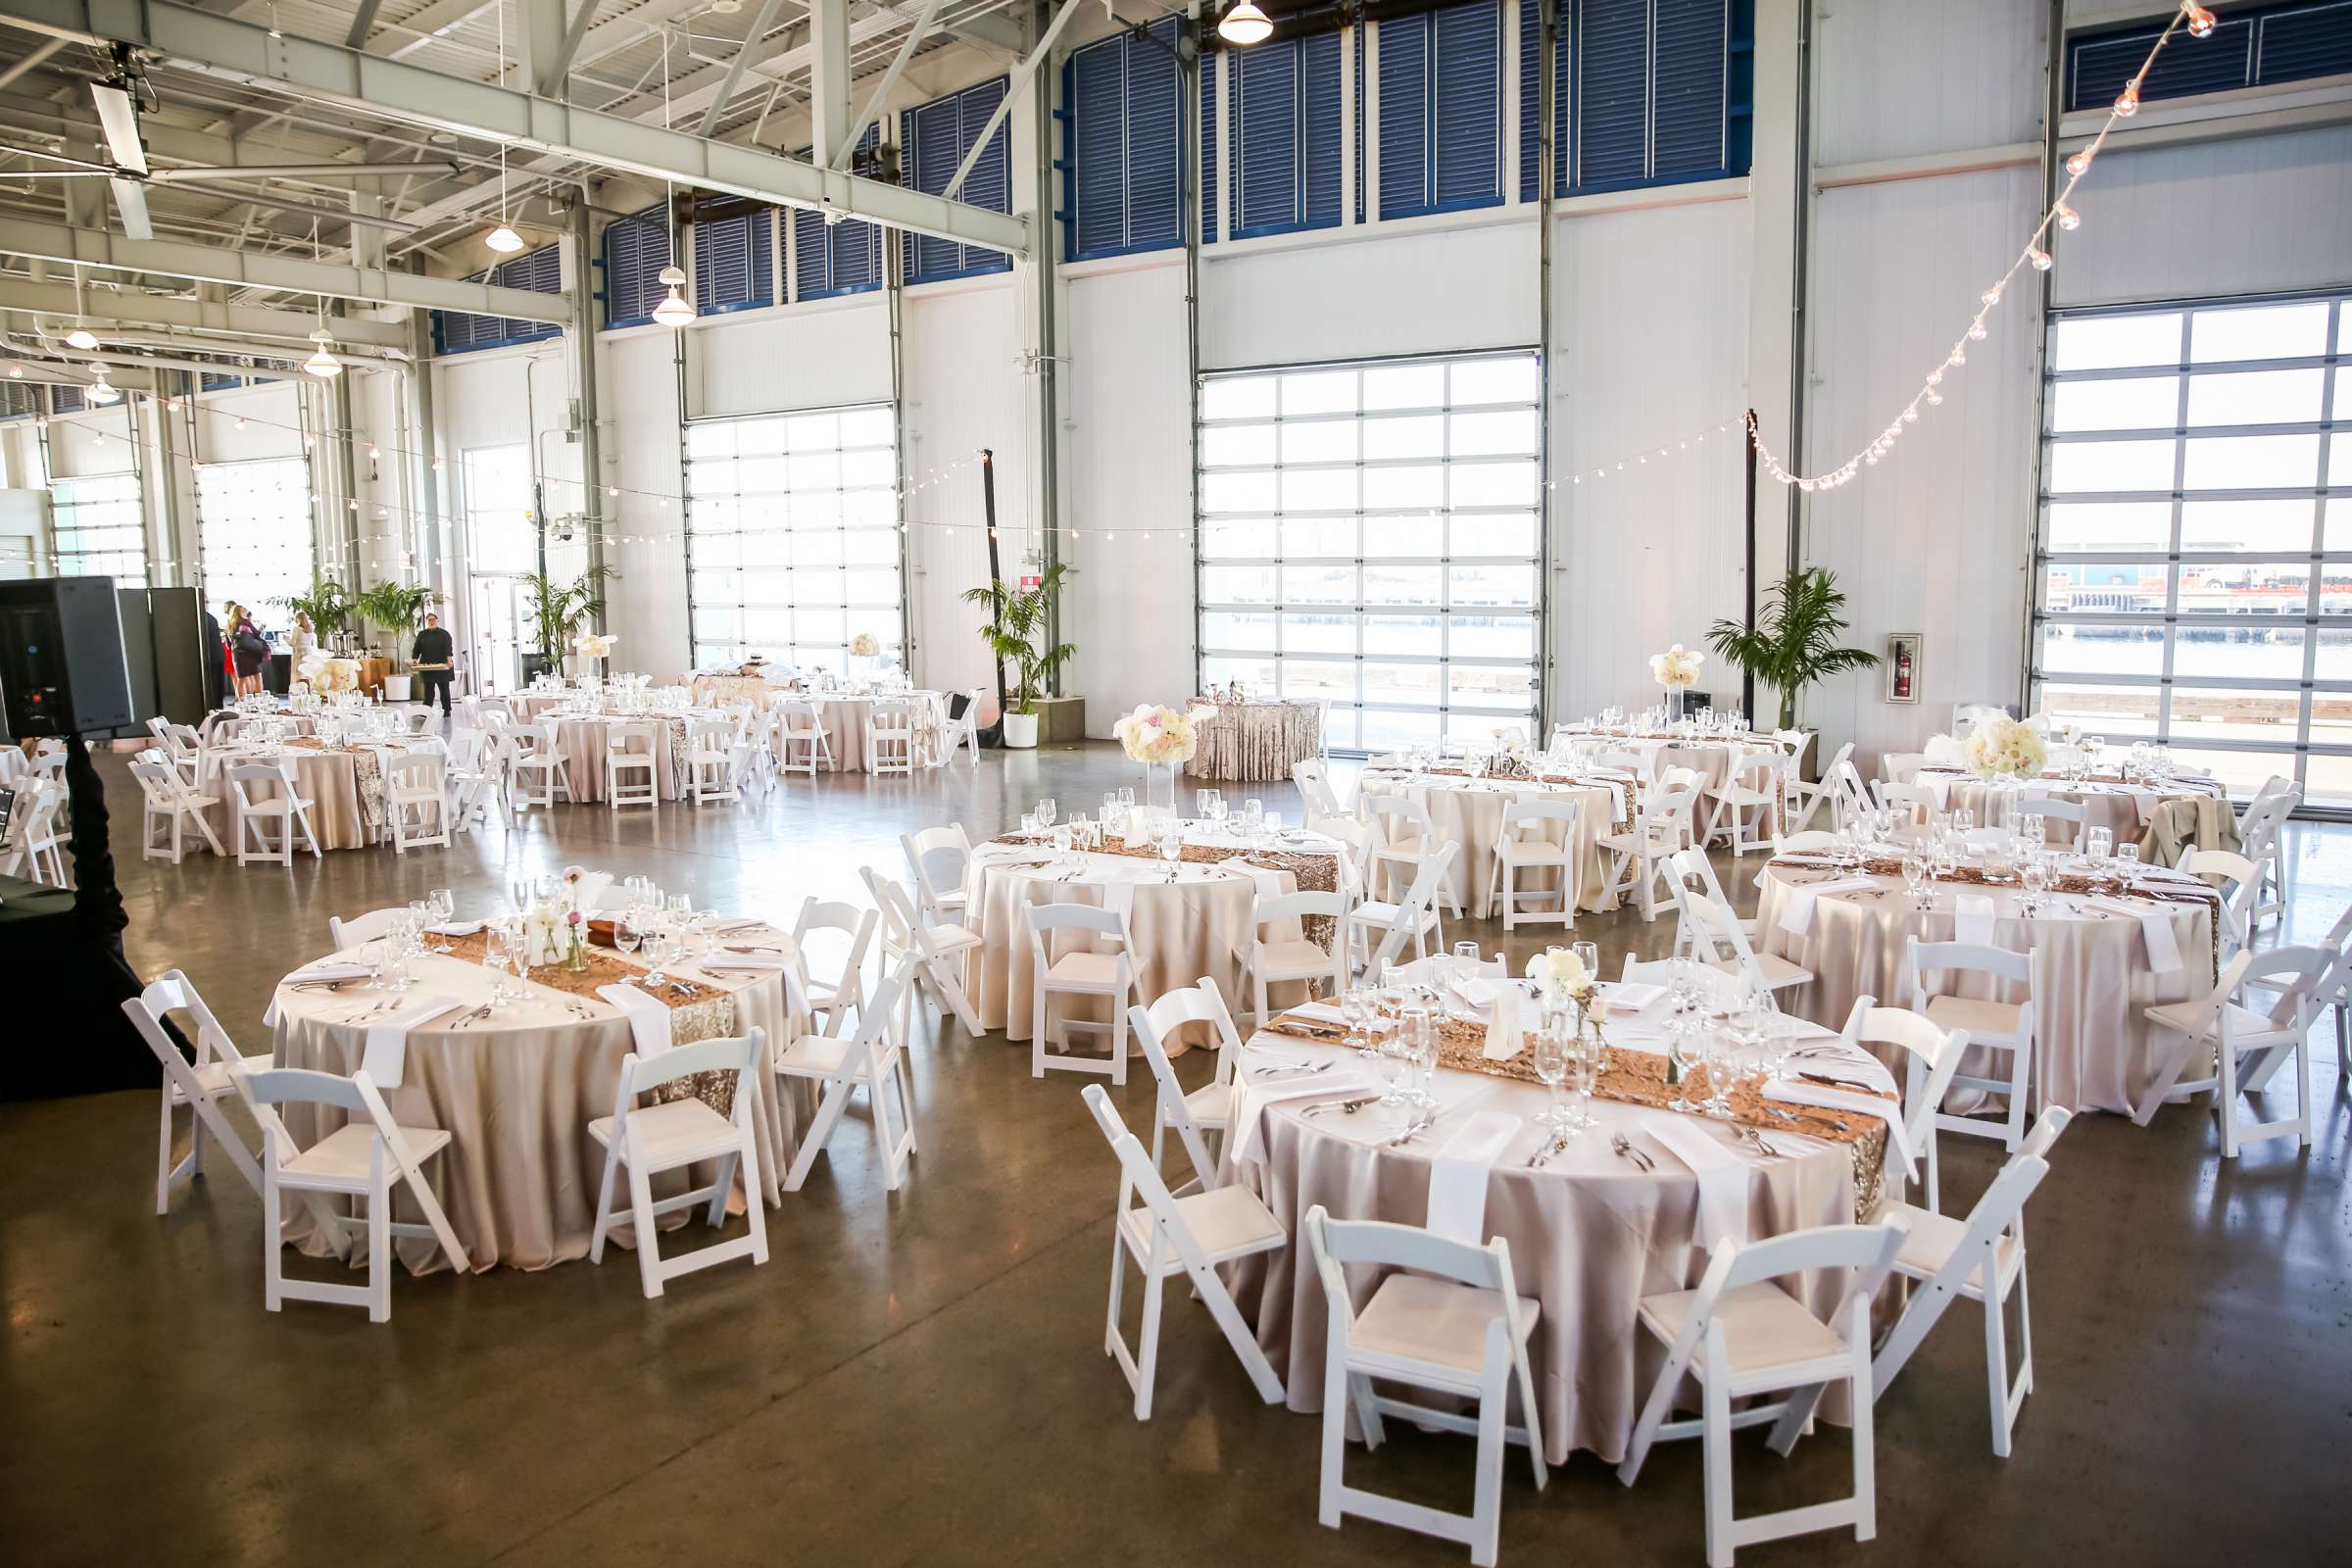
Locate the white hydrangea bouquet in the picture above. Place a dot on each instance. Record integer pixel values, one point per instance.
(329, 672)
(593, 645)
(1676, 668)
(2005, 747)
(1156, 734)
(1561, 978)
(864, 646)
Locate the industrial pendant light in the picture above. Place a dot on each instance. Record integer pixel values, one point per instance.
(102, 392)
(81, 337)
(502, 239)
(1243, 22)
(676, 310)
(324, 364)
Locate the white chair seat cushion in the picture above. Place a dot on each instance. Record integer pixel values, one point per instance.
(1100, 969)
(814, 1056)
(2243, 1021)
(212, 1077)
(1976, 1016)
(1293, 957)
(1778, 971)
(1406, 846)
(1533, 852)
(1664, 842)
(340, 1158)
(678, 1133)
(1373, 912)
(1413, 1317)
(1210, 1104)
(1763, 1326)
(1227, 1222)
(1932, 1239)
(950, 936)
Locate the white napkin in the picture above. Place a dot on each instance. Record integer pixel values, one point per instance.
(1250, 1100)
(1938, 787)
(739, 923)
(1504, 1036)
(1721, 1176)
(796, 996)
(386, 1053)
(2155, 930)
(1797, 916)
(1984, 837)
(649, 1017)
(1972, 919)
(316, 973)
(1847, 1064)
(1898, 1143)
(1629, 995)
(1457, 1177)
(456, 928)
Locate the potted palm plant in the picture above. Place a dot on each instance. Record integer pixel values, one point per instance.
(557, 613)
(326, 602)
(1017, 623)
(1795, 641)
(396, 608)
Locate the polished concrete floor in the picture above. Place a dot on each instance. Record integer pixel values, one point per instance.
(918, 1378)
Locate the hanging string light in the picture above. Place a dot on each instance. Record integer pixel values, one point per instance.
(2060, 215)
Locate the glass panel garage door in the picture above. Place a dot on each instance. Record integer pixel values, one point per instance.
(2197, 537)
(1368, 535)
(253, 528)
(793, 521)
(100, 527)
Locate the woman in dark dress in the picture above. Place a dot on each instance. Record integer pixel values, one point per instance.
(250, 650)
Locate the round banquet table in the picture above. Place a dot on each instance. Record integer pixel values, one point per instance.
(720, 691)
(1183, 930)
(1590, 1233)
(844, 719)
(1470, 813)
(1255, 742)
(1712, 759)
(516, 1090)
(2164, 820)
(339, 784)
(2093, 976)
(582, 737)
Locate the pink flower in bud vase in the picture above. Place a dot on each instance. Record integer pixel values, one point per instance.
(573, 919)
(573, 873)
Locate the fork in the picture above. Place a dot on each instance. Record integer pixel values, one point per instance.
(1542, 1156)
(1345, 1108)
(1625, 1148)
(1419, 1125)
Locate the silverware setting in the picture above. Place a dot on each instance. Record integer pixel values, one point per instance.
(1828, 1081)
(368, 1012)
(1302, 1069)
(473, 1016)
(1626, 1151)
(1754, 1140)
(1345, 1108)
(1544, 1157)
(1413, 1129)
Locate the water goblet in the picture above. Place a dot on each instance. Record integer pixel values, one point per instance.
(444, 905)
(1028, 824)
(1046, 811)
(2034, 876)
(1172, 850)
(1915, 875)
(494, 959)
(1420, 1031)
(1550, 1061)
(1061, 846)
(628, 930)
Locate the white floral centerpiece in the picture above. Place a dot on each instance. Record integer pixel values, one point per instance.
(558, 927)
(1676, 668)
(1161, 737)
(864, 646)
(329, 672)
(2001, 747)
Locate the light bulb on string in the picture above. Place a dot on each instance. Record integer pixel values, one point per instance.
(2043, 260)
(1976, 331)
(2127, 102)
(2200, 21)
(1992, 295)
(2079, 165)
(2068, 219)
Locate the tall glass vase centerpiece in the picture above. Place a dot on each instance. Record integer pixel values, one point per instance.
(1163, 740)
(1677, 670)
(590, 651)
(2004, 753)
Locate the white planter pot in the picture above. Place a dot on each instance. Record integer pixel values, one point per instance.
(396, 688)
(1020, 731)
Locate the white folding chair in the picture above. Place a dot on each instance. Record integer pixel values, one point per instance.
(1644, 850)
(1206, 1109)
(360, 928)
(165, 797)
(1406, 840)
(710, 760)
(2053, 813)
(184, 750)
(632, 766)
(2241, 887)
(941, 858)
(265, 794)
(2261, 835)
(1991, 1025)
(417, 799)
(1707, 916)
(1168, 1235)
(1850, 797)
(1741, 1335)
(1813, 840)
(1273, 960)
(1314, 787)
(35, 846)
(960, 729)
(1450, 1320)
(477, 776)
(873, 1059)
(1900, 767)
(198, 1083)
(1931, 1055)
(1383, 928)
(836, 995)
(1746, 801)
(2226, 1032)
(890, 738)
(1910, 805)
(942, 948)
(1981, 1259)
(364, 1160)
(1527, 844)
(671, 1135)
(801, 727)
(536, 764)
(1078, 972)
(1802, 799)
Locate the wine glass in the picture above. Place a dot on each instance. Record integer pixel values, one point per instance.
(2099, 843)
(1218, 810)
(1045, 811)
(494, 959)
(1172, 850)
(2034, 876)
(628, 934)
(1420, 1031)
(444, 905)
(1550, 1063)
(1915, 875)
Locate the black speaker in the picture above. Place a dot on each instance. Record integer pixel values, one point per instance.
(139, 649)
(62, 670)
(180, 656)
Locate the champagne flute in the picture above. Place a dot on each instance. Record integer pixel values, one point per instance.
(494, 959)
(1550, 1063)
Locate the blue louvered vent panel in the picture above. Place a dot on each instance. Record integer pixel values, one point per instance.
(19, 399)
(1688, 116)
(1319, 128)
(1404, 115)
(540, 271)
(1613, 87)
(1211, 67)
(217, 381)
(830, 260)
(734, 263)
(1266, 141)
(2255, 46)
(1096, 92)
(1466, 105)
(1363, 99)
(636, 248)
(1531, 50)
(65, 400)
(1154, 141)
(1123, 145)
(934, 138)
(2304, 42)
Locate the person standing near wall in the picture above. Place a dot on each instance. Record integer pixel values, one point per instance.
(431, 658)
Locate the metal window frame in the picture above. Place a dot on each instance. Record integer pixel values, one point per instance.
(51, 480)
(1443, 612)
(309, 517)
(2334, 365)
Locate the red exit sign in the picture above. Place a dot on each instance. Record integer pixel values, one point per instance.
(1028, 582)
